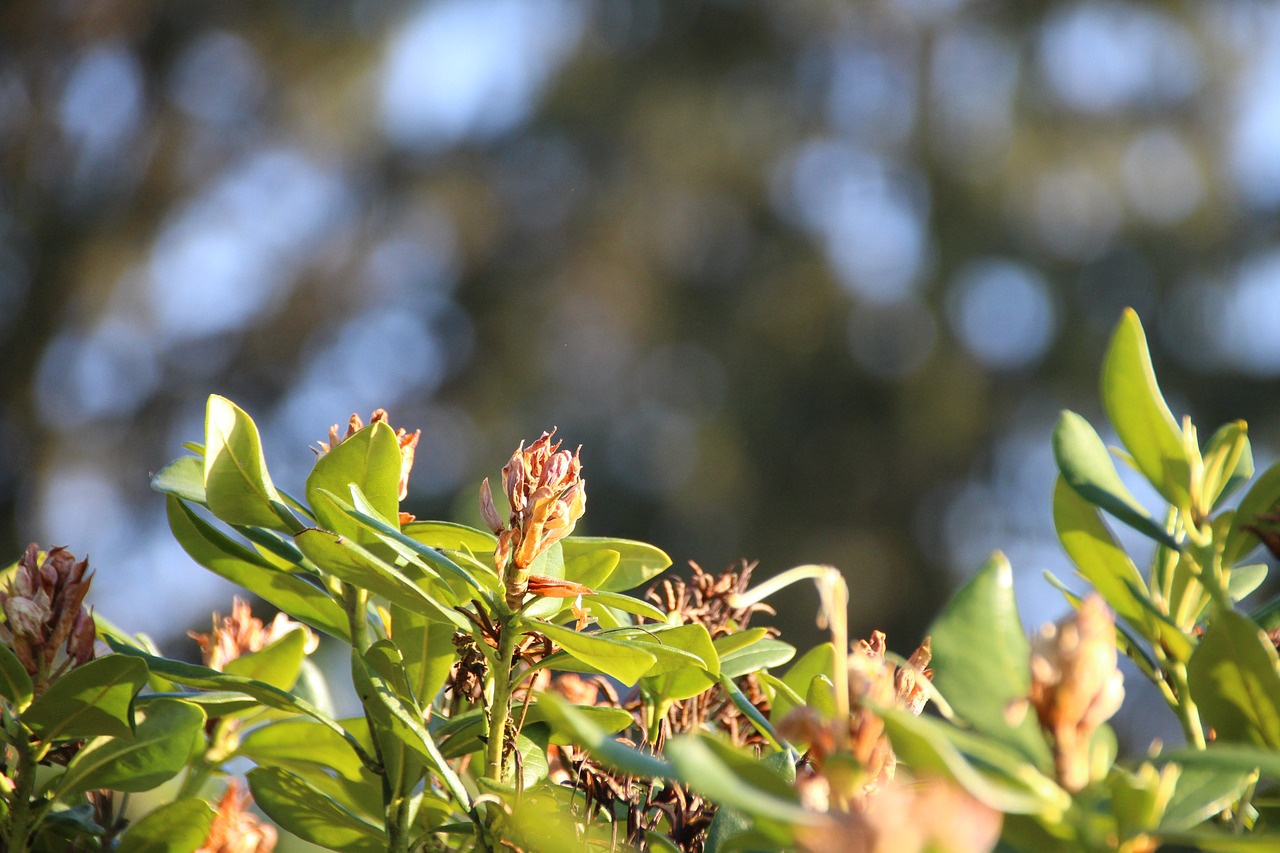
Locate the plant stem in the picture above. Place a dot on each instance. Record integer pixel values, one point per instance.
(1185, 708)
(19, 835)
(500, 707)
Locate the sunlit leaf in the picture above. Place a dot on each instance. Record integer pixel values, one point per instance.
(1234, 683)
(1262, 499)
(1098, 557)
(15, 681)
(624, 660)
(277, 663)
(237, 487)
(155, 753)
(299, 807)
(369, 459)
(182, 478)
(1228, 462)
(89, 701)
(178, 827)
(637, 562)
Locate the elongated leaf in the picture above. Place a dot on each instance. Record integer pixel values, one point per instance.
(15, 682)
(1140, 415)
(182, 478)
(277, 664)
(637, 561)
(89, 701)
(981, 658)
(204, 678)
(370, 460)
(287, 743)
(230, 560)
(352, 564)
(1201, 793)
(626, 604)
(1234, 683)
(237, 487)
(156, 752)
(591, 567)
(1099, 559)
(624, 660)
(603, 748)
(1245, 579)
(1228, 758)
(447, 536)
(707, 770)
(1262, 499)
(301, 808)
(752, 713)
(427, 648)
(764, 653)
(1228, 462)
(178, 827)
(1087, 467)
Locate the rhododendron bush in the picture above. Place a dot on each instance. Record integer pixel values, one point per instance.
(524, 688)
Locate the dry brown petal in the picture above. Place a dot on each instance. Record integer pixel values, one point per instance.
(235, 829)
(488, 510)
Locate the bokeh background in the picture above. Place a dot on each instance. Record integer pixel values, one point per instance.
(808, 279)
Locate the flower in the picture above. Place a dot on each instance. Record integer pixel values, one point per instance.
(408, 443)
(235, 829)
(547, 496)
(1075, 685)
(45, 615)
(242, 633)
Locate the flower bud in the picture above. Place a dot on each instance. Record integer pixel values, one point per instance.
(43, 608)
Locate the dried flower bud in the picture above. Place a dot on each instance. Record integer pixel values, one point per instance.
(408, 443)
(1075, 685)
(235, 829)
(547, 495)
(45, 619)
(242, 633)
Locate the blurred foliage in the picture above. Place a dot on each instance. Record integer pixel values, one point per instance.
(782, 268)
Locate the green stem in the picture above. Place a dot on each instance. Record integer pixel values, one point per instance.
(20, 816)
(1185, 708)
(500, 707)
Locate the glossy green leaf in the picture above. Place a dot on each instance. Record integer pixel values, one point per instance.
(600, 745)
(924, 745)
(764, 653)
(681, 682)
(204, 678)
(735, 780)
(1201, 793)
(1228, 462)
(981, 658)
(1098, 557)
(427, 648)
(289, 743)
(89, 701)
(591, 568)
(625, 603)
(1234, 683)
(182, 478)
(1262, 499)
(301, 808)
(819, 660)
(1246, 579)
(155, 753)
(220, 703)
(1140, 415)
(352, 564)
(370, 459)
(637, 561)
(178, 827)
(1087, 467)
(230, 560)
(1227, 758)
(15, 681)
(237, 487)
(277, 663)
(446, 535)
(624, 660)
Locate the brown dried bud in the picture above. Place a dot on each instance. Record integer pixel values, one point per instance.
(487, 509)
(242, 633)
(1075, 685)
(44, 614)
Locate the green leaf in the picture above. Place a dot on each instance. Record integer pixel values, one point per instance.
(1140, 415)
(352, 564)
(178, 827)
(301, 808)
(89, 701)
(237, 486)
(204, 678)
(735, 780)
(1099, 559)
(682, 681)
(637, 561)
(15, 682)
(157, 751)
(624, 660)
(625, 603)
(289, 743)
(277, 663)
(370, 460)
(1219, 841)
(1228, 462)
(1234, 683)
(601, 747)
(448, 536)
(981, 659)
(820, 660)
(1263, 498)
(462, 734)
(759, 655)
(1227, 758)
(222, 703)
(591, 568)
(1201, 793)
(925, 745)
(182, 478)
(230, 560)
(1245, 579)
(1087, 467)
(427, 648)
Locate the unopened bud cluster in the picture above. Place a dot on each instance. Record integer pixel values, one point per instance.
(46, 623)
